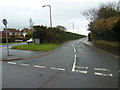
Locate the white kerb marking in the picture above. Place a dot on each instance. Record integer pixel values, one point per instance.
(101, 74)
(11, 62)
(39, 66)
(102, 69)
(24, 64)
(73, 68)
(61, 69)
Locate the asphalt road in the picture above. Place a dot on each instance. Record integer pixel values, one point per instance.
(72, 65)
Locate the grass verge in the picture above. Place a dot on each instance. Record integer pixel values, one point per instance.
(35, 47)
(107, 43)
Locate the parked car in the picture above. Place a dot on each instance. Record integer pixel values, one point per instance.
(29, 41)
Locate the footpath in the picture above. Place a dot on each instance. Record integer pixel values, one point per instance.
(113, 53)
(18, 54)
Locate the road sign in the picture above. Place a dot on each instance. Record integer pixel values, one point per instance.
(4, 21)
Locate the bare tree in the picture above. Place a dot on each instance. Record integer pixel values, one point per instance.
(91, 14)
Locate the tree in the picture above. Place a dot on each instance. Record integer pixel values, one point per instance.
(91, 14)
(29, 34)
(106, 10)
(104, 22)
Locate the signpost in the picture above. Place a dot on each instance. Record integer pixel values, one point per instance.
(5, 23)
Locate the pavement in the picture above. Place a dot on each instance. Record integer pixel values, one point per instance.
(18, 54)
(86, 42)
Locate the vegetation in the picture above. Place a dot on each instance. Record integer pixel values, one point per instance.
(35, 47)
(29, 34)
(105, 22)
(53, 35)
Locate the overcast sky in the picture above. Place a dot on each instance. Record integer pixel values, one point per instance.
(64, 12)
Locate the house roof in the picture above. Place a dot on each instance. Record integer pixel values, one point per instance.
(26, 30)
(12, 30)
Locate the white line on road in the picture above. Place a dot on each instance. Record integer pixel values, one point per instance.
(73, 68)
(102, 69)
(102, 74)
(81, 67)
(81, 71)
(24, 64)
(11, 62)
(61, 69)
(39, 66)
(74, 49)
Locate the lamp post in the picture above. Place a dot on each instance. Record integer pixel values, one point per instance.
(50, 14)
(5, 23)
(72, 26)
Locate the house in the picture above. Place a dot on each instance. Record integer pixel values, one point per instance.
(12, 33)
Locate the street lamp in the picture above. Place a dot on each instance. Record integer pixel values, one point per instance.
(72, 26)
(5, 23)
(50, 14)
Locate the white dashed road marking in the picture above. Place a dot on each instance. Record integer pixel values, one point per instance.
(11, 63)
(81, 67)
(24, 64)
(101, 74)
(39, 66)
(102, 69)
(61, 69)
(81, 71)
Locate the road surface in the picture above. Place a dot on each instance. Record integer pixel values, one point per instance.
(71, 65)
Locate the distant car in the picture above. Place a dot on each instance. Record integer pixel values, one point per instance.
(29, 41)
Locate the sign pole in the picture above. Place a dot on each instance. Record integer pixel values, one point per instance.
(5, 23)
(7, 40)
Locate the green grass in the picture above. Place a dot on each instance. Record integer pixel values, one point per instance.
(35, 47)
(107, 43)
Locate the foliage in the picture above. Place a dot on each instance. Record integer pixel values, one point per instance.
(29, 34)
(53, 35)
(106, 24)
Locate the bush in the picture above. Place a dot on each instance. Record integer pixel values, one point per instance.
(53, 35)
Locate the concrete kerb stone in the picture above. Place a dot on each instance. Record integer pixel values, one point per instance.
(102, 51)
